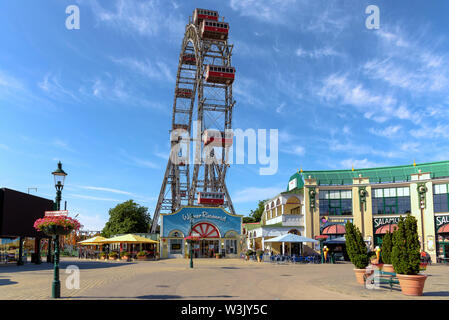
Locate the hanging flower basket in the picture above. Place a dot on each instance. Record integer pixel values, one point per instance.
(53, 226)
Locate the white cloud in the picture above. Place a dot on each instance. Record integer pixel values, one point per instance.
(378, 107)
(107, 190)
(295, 150)
(53, 88)
(317, 53)
(9, 82)
(437, 131)
(359, 164)
(62, 145)
(388, 132)
(271, 11)
(81, 196)
(158, 70)
(254, 194)
(145, 18)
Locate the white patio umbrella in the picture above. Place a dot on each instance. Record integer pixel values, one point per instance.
(290, 237)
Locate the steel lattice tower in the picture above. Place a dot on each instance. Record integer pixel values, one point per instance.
(210, 105)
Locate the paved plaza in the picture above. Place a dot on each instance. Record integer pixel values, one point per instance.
(210, 279)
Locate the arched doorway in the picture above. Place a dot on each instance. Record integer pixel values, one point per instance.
(295, 247)
(208, 244)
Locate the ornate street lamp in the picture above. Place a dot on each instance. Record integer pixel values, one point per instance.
(59, 176)
(191, 241)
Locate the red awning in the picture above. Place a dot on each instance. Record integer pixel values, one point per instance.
(444, 229)
(334, 229)
(388, 227)
(321, 237)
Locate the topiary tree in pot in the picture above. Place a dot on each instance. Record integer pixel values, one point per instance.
(387, 247)
(406, 256)
(357, 251)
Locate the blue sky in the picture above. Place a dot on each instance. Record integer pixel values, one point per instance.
(100, 98)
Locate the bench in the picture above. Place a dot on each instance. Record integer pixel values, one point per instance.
(383, 277)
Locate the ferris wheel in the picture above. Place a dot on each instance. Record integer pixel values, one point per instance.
(203, 96)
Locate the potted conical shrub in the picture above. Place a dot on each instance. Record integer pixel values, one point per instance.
(387, 247)
(357, 251)
(406, 257)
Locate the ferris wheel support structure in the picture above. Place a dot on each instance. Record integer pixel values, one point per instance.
(210, 104)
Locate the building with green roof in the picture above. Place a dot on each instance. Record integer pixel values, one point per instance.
(374, 199)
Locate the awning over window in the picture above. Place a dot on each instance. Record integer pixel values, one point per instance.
(334, 229)
(444, 229)
(387, 228)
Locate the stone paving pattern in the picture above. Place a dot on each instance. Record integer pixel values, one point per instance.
(210, 279)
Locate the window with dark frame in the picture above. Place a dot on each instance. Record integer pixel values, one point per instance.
(391, 200)
(335, 202)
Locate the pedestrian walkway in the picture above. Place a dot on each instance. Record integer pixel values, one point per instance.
(209, 279)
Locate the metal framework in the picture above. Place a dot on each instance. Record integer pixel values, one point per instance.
(210, 105)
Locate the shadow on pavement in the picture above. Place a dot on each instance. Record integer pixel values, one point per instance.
(436, 294)
(82, 264)
(6, 282)
(158, 297)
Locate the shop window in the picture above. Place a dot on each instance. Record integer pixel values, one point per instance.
(335, 202)
(231, 246)
(440, 198)
(175, 246)
(391, 201)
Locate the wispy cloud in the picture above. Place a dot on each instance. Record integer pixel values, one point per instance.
(254, 194)
(136, 161)
(379, 107)
(158, 70)
(62, 145)
(294, 150)
(388, 132)
(81, 196)
(359, 164)
(317, 53)
(107, 190)
(53, 88)
(144, 18)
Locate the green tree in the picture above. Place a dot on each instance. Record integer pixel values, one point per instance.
(127, 217)
(356, 247)
(248, 220)
(387, 247)
(406, 248)
(257, 214)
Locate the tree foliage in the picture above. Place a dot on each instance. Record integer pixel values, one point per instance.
(127, 217)
(356, 247)
(248, 220)
(406, 248)
(257, 214)
(387, 247)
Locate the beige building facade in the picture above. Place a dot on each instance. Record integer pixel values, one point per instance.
(374, 199)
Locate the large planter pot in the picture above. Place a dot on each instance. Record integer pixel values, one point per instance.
(55, 230)
(359, 275)
(388, 268)
(412, 285)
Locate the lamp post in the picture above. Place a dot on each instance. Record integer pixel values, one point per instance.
(191, 241)
(59, 176)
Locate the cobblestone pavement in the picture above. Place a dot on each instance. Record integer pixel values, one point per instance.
(209, 279)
